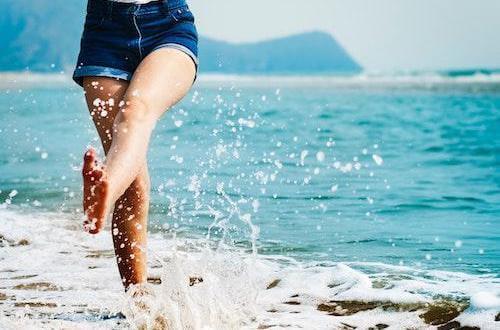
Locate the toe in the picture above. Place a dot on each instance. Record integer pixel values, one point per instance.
(88, 161)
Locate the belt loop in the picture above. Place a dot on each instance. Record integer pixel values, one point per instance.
(110, 9)
(166, 5)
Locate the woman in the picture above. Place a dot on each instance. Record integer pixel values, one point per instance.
(137, 59)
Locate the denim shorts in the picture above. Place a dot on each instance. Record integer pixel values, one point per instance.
(117, 36)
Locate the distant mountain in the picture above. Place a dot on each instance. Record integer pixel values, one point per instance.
(312, 52)
(44, 35)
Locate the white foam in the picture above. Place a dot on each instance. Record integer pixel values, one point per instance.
(233, 293)
(485, 300)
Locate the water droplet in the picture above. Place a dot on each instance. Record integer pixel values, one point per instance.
(377, 159)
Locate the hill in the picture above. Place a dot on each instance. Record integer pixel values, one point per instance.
(314, 52)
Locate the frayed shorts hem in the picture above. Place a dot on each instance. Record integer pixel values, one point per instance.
(104, 71)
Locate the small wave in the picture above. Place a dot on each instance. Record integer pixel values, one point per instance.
(367, 79)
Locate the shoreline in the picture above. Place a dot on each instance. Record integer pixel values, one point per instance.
(419, 81)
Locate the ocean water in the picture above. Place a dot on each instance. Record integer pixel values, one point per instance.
(286, 195)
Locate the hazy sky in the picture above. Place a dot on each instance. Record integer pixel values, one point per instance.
(380, 34)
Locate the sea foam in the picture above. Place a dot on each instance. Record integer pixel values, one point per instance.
(55, 275)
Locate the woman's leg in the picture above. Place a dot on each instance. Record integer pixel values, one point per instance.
(161, 80)
(103, 97)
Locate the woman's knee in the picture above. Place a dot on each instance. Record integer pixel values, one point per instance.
(134, 111)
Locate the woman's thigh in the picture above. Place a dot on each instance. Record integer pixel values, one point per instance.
(104, 98)
(161, 80)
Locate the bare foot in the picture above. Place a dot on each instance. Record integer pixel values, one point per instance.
(95, 193)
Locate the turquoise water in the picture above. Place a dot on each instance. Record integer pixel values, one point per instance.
(327, 171)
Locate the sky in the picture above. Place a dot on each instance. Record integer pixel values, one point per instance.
(382, 35)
